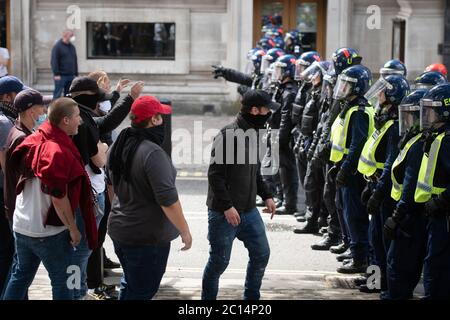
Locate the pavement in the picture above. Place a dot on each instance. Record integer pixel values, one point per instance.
(295, 272)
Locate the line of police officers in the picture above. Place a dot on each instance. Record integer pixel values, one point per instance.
(374, 161)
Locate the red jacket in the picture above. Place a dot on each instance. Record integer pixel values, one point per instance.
(53, 158)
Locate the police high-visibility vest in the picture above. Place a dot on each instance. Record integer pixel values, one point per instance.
(425, 187)
(339, 132)
(397, 185)
(367, 164)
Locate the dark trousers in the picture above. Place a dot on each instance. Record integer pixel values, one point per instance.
(355, 217)
(436, 268)
(143, 269)
(62, 86)
(314, 184)
(289, 177)
(405, 257)
(95, 263)
(6, 247)
(379, 243)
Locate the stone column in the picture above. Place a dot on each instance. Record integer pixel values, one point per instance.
(239, 37)
(339, 13)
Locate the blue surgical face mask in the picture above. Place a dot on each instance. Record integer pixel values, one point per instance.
(41, 120)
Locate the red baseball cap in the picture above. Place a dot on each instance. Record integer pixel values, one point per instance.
(145, 107)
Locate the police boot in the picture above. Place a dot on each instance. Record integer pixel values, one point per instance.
(325, 243)
(343, 256)
(355, 266)
(339, 249)
(310, 226)
(285, 210)
(360, 281)
(365, 289)
(303, 216)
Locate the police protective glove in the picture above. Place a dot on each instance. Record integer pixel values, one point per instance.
(436, 204)
(392, 225)
(218, 71)
(390, 228)
(316, 162)
(374, 202)
(342, 178)
(365, 195)
(242, 89)
(311, 151)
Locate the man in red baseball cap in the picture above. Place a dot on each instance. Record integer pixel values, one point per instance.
(146, 214)
(148, 107)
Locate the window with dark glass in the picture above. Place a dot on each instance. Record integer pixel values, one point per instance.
(119, 40)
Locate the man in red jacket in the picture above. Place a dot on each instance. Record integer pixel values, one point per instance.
(53, 184)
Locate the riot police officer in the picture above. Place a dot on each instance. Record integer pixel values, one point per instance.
(314, 177)
(293, 43)
(342, 59)
(283, 74)
(439, 67)
(303, 96)
(433, 189)
(375, 163)
(349, 133)
(251, 80)
(429, 79)
(393, 66)
(406, 228)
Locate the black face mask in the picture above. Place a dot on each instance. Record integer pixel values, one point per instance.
(256, 121)
(157, 134)
(87, 100)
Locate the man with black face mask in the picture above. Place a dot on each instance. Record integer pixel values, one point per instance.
(234, 180)
(87, 94)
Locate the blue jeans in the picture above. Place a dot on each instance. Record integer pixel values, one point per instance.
(143, 268)
(54, 252)
(62, 85)
(80, 256)
(221, 235)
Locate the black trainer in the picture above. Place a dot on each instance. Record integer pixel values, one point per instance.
(109, 264)
(104, 292)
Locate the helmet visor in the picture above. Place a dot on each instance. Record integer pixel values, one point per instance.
(408, 116)
(299, 68)
(344, 87)
(277, 72)
(327, 87)
(311, 73)
(376, 88)
(388, 71)
(265, 63)
(425, 86)
(267, 79)
(429, 114)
